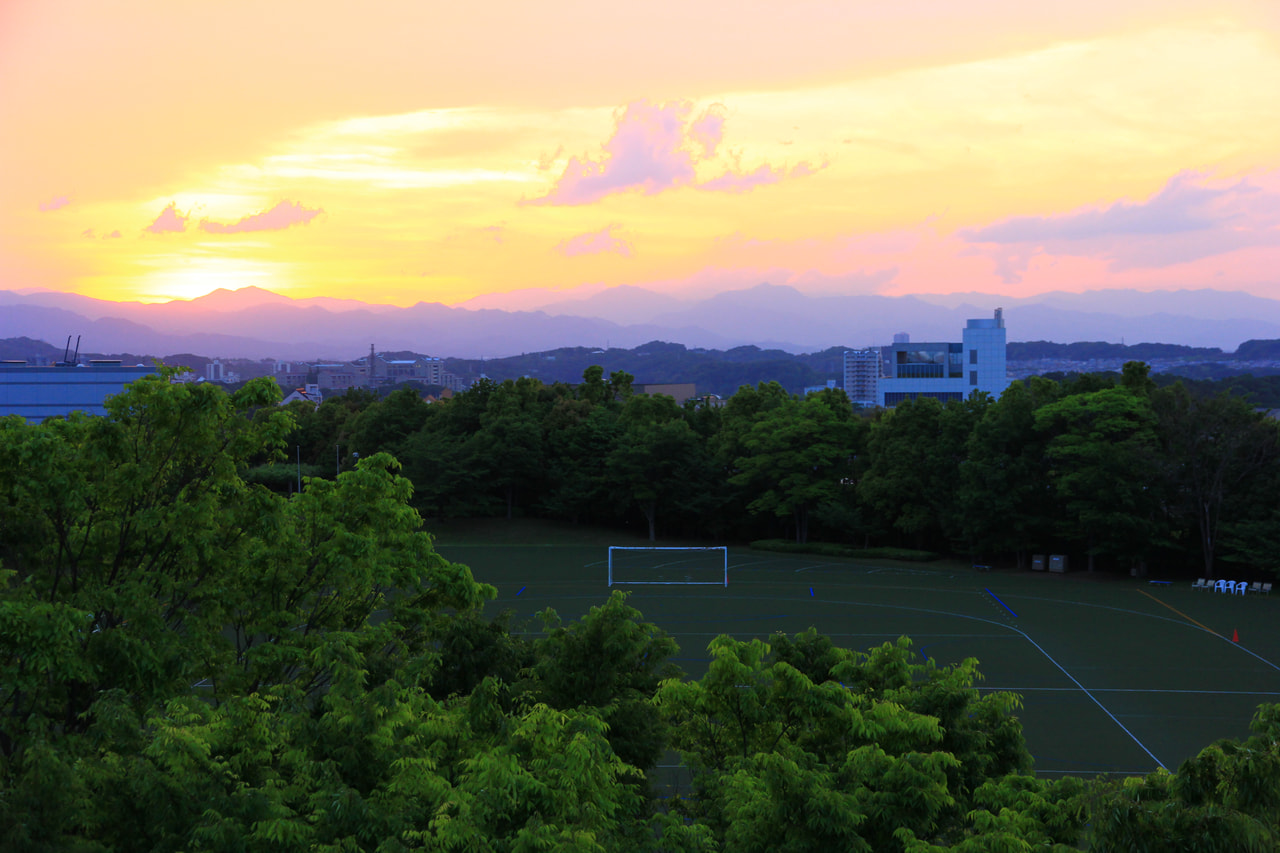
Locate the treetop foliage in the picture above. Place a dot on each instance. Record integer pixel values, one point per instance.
(191, 661)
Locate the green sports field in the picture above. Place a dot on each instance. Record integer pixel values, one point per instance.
(1117, 676)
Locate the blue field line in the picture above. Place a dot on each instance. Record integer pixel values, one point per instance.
(811, 592)
(1086, 692)
(1133, 690)
(1022, 634)
(522, 589)
(1002, 604)
(1039, 771)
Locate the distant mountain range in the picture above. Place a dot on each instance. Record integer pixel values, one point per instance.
(256, 323)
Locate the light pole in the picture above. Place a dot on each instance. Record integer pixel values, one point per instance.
(337, 461)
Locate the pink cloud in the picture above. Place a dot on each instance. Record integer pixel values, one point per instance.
(647, 152)
(54, 203)
(654, 148)
(169, 220)
(283, 215)
(708, 129)
(740, 182)
(88, 232)
(595, 243)
(114, 235)
(1190, 218)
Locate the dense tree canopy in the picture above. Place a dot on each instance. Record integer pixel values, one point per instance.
(190, 661)
(1115, 472)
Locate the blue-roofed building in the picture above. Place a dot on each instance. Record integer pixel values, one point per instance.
(37, 393)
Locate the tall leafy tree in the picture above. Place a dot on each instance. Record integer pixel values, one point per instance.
(612, 661)
(782, 761)
(1005, 499)
(917, 452)
(796, 456)
(509, 447)
(1221, 466)
(659, 461)
(1102, 447)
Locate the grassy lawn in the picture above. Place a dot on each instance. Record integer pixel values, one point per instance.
(1117, 675)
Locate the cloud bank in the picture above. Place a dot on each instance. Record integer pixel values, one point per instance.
(595, 243)
(169, 221)
(1191, 217)
(54, 203)
(655, 148)
(283, 215)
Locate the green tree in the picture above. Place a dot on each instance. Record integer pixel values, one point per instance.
(796, 456)
(580, 439)
(161, 595)
(917, 453)
(1005, 499)
(385, 426)
(1220, 466)
(509, 448)
(812, 747)
(1227, 798)
(1102, 446)
(613, 662)
(659, 461)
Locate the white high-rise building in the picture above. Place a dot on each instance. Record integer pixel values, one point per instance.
(947, 371)
(862, 377)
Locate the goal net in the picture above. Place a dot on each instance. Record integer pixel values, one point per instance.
(638, 565)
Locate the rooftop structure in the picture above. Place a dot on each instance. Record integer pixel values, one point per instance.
(947, 371)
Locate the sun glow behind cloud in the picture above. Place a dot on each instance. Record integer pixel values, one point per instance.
(904, 167)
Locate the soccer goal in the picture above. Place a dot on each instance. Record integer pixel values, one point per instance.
(638, 565)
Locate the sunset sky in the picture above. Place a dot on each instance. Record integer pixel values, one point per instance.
(399, 152)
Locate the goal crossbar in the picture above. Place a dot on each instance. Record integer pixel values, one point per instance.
(665, 565)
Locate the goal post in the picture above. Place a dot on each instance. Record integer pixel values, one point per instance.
(704, 566)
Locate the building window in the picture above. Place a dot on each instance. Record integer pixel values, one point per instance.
(973, 356)
(893, 398)
(973, 377)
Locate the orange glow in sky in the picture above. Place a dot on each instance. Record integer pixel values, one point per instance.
(412, 151)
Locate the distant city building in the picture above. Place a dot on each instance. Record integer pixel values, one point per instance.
(680, 391)
(213, 371)
(340, 376)
(947, 371)
(37, 393)
(862, 377)
(306, 394)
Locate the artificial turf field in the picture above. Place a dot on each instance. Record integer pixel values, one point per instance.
(1117, 676)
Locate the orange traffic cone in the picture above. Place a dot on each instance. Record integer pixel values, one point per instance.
(1235, 636)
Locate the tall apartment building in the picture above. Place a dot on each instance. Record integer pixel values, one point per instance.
(862, 377)
(947, 371)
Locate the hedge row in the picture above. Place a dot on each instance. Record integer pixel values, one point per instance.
(831, 549)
